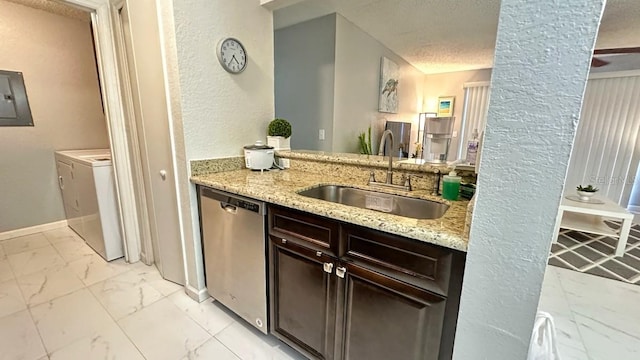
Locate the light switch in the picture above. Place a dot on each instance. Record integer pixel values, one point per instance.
(321, 134)
(454, 134)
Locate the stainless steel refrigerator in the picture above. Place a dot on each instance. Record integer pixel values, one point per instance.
(401, 139)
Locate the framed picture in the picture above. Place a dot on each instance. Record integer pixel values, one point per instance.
(389, 79)
(445, 106)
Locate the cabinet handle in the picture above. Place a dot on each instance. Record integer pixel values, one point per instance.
(328, 267)
(340, 271)
(318, 253)
(61, 182)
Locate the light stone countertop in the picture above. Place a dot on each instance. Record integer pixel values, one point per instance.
(281, 187)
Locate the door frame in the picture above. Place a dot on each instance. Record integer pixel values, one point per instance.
(146, 245)
(103, 18)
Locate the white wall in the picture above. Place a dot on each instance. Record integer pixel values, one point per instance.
(542, 59)
(357, 82)
(55, 55)
(220, 112)
(304, 80)
(450, 84)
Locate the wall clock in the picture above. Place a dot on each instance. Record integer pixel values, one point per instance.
(232, 55)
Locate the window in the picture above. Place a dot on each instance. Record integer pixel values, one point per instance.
(474, 112)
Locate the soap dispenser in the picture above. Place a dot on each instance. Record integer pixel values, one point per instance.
(472, 148)
(451, 186)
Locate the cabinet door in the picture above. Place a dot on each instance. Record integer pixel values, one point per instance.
(303, 298)
(384, 318)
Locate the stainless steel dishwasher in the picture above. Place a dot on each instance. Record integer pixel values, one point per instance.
(233, 229)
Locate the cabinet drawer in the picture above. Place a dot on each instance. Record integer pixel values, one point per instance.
(317, 230)
(420, 264)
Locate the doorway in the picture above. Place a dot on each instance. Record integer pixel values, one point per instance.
(136, 110)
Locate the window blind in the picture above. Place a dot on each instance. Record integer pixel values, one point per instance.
(606, 148)
(474, 113)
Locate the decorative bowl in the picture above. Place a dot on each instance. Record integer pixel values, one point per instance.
(585, 195)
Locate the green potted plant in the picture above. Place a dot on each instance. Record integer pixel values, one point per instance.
(279, 134)
(586, 192)
(364, 144)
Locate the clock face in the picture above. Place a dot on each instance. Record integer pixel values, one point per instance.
(232, 55)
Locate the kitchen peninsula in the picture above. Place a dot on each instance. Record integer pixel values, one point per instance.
(331, 266)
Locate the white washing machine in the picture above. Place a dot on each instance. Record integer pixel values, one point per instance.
(86, 180)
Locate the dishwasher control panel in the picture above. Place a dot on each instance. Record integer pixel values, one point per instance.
(234, 200)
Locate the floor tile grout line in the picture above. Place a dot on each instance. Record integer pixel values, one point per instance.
(87, 287)
(225, 345)
(46, 351)
(573, 317)
(116, 321)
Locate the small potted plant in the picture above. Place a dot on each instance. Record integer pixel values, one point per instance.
(279, 134)
(586, 192)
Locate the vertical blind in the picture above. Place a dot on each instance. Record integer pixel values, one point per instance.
(474, 112)
(606, 148)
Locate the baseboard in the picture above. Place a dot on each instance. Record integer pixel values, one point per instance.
(197, 295)
(32, 230)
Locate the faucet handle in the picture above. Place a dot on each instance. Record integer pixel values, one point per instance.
(372, 177)
(407, 182)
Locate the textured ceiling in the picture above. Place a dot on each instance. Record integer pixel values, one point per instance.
(56, 7)
(442, 36)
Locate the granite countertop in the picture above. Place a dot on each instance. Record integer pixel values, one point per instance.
(281, 187)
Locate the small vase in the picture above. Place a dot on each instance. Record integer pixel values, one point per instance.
(279, 142)
(585, 195)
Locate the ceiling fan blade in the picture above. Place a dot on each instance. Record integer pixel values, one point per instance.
(629, 50)
(595, 62)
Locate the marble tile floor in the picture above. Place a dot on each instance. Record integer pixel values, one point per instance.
(596, 318)
(60, 300)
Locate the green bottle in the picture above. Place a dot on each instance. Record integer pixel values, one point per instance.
(451, 186)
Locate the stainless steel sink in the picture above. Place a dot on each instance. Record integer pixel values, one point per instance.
(374, 200)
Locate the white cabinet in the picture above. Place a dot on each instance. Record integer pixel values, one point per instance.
(87, 184)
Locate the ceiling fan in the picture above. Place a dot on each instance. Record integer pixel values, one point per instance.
(595, 62)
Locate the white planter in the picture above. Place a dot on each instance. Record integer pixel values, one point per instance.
(279, 142)
(585, 196)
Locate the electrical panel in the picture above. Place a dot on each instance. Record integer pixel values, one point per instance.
(14, 106)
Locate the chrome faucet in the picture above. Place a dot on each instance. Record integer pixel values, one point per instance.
(389, 182)
(383, 143)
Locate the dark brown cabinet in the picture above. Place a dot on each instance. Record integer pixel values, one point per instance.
(303, 297)
(354, 293)
(387, 319)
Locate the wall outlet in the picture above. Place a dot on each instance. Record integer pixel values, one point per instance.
(321, 134)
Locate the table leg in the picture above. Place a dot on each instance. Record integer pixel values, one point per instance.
(556, 228)
(624, 235)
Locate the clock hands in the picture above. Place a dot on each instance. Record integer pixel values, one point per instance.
(234, 58)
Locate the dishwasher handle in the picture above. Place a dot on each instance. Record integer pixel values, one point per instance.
(229, 208)
(233, 203)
